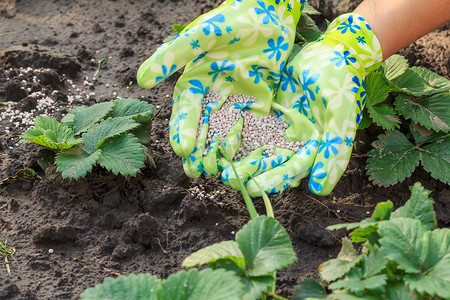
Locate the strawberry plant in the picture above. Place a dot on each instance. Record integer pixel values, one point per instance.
(240, 269)
(112, 135)
(417, 124)
(403, 256)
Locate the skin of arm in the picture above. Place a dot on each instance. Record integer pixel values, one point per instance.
(398, 23)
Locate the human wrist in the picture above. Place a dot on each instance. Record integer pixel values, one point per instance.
(399, 23)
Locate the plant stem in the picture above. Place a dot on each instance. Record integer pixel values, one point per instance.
(269, 212)
(7, 265)
(275, 296)
(247, 198)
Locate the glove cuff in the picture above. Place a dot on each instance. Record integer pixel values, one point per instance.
(355, 33)
(292, 8)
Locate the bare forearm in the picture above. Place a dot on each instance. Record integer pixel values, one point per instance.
(398, 23)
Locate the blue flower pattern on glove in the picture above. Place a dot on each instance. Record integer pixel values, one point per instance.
(288, 80)
(216, 70)
(274, 50)
(209, 24)
(257, 73)
(348, 26)
(197, 87)
(317, 173)
(176, 123)
(195, 44)
(342, 57)
(200, 56)
(278, 160)
(349, 141)
(276, 77)
(235, 40)
(260, 164)
(269, 15)
(166, 72)
(361, 101)
(306, 81)
(302, 104)
(361, 39)
(328, 145)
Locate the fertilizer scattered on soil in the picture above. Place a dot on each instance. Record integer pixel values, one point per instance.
(257, 131)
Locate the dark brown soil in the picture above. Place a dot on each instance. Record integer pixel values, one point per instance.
(106, 225)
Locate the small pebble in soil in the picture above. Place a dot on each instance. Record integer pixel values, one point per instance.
(51, 251)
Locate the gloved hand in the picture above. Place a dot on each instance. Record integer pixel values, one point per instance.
(324, 85)
(240, 47)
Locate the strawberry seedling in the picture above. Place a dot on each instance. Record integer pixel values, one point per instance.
(113, 135)
(404, 256)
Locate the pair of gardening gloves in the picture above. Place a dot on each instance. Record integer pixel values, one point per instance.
(242, 47)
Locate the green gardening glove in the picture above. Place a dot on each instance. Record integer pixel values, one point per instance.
(324, 84)
(240, 47)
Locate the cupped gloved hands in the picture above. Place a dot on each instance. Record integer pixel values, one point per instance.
(240, 47)
(321, 96)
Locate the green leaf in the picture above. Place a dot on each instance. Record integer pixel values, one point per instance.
(361, 235)
(422, 135)
(131, 287)
(366, 120)
(132, 108)
(354, 282)
(99, 133)
(373, 263)
(57, 133)
(383, 210)
(385, 116)
(309, 10)
(255, 286)
(69, 118)
(377, 88)
(266, 246)
(393, 159)
(178, 27)
(401, 241)
(36, 135)
(367, 229)
(419, 206)
(432, 112)
(336, 268)
(143, 132)
(347, 295)
(347, 226)
(51, 133)
(295, 50)
(436, 159)
(212, 253)
(76, 165)
(86, 117)
(420, 82)
(434, 277)
(433, 79)
(394, 66)
(308, 29)
(399, 291)
(310, 289)
(124, 155)
(235, 264)
(206, 284)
